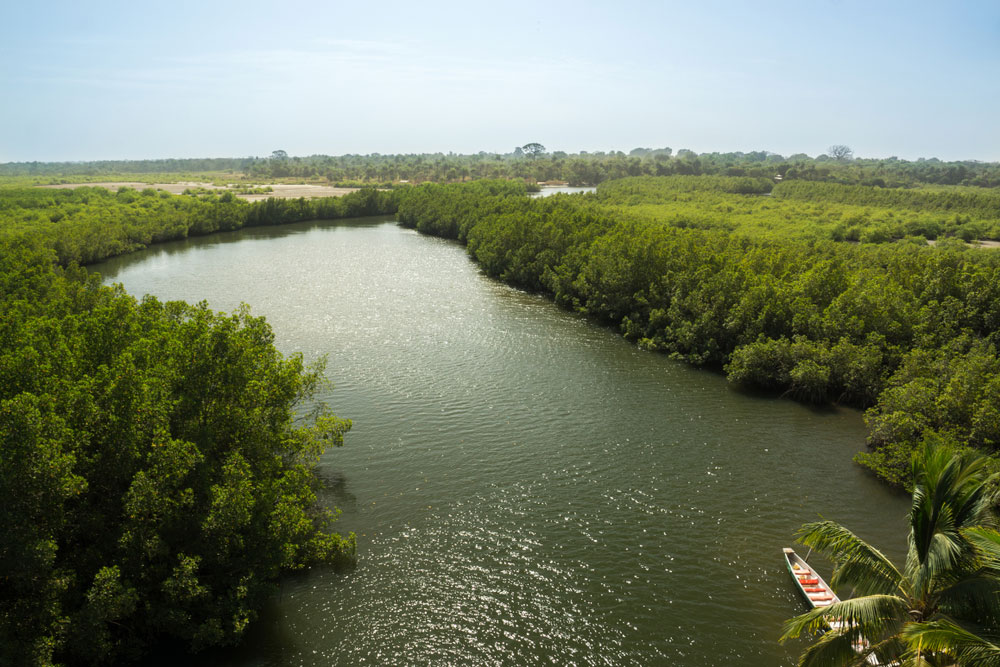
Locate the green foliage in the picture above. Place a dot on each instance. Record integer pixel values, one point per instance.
(875, 325)
(154, 477)
(449, 211)
(943, 606)
(88, 224)
(672, 189)
(950, 393)
(529, 163)
(806, 210)
(153, 481)
(885, 214)
(813, 371)
(969, 201)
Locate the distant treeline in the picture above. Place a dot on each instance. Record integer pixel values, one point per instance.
(577, 169)
(908, 331)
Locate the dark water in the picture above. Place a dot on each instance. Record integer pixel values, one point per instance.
(527, 488)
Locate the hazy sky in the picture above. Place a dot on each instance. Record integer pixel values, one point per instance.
(127, 80)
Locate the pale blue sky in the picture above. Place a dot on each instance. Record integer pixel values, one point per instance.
(128, 80)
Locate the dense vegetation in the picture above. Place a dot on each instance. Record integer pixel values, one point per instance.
(531, 163)
(86, 225)
(905, 329)
(155, 458)
(153, 479)
(806, 210)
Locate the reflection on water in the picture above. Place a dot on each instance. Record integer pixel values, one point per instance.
(527, 488)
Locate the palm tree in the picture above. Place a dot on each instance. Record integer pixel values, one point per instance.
(943, 607)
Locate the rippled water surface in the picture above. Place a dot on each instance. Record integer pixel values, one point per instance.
(527, 487)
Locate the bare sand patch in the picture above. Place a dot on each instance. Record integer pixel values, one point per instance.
(293, 191)
(974, 244)
(279, 190)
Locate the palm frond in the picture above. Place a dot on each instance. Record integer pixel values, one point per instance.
(951, 492)
(834, 649)
(887, 652)
(946, 551)
(814, 621)
(858, 564)
(871, 617)
(975, 597)
(946, 637)
(944, 608)
(986, 541)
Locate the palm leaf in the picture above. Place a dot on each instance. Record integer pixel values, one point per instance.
(858, 564)
(887, 652)
(952, 576)
(973, 597)
(948, 638)
(871, 617)
(834, 649)
(945, 552)
(950, 492)
(987, 544)
(814, 621)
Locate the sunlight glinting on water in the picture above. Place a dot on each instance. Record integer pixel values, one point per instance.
(527, 487)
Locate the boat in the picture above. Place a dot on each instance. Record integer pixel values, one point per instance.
(819, 594)
(812, 586)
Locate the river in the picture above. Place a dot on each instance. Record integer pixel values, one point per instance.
(527, 487)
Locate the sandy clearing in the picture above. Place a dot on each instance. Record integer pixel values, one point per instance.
(280, 190)
(292, 191)
(974, 244)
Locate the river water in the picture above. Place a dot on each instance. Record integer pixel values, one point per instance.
(527, 488)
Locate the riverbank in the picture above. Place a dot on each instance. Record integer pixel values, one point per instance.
(906, 330)
(526, 487)
(777, 306)
(92, 224)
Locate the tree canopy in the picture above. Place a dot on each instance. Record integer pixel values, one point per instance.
(156, 467)
(154, 477)
(583, 168)
(840, 152)
(533, 149)
(768, 289)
